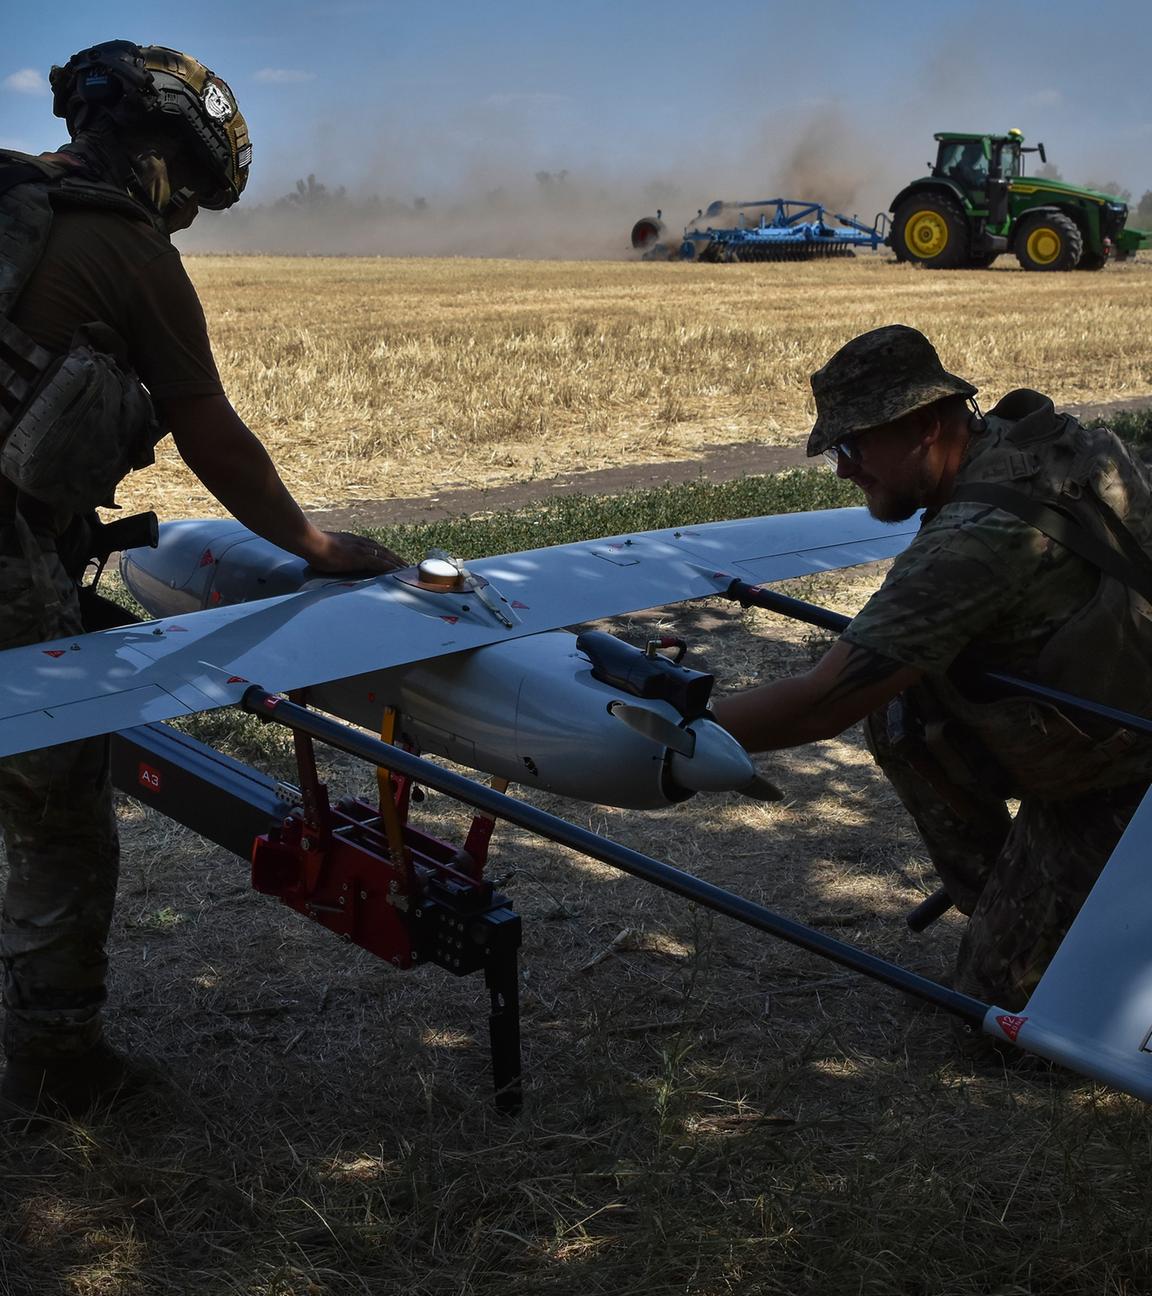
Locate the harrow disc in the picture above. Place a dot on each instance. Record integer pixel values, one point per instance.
(789, 252)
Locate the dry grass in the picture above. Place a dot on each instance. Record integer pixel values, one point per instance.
(380, 378)
(707, 1111)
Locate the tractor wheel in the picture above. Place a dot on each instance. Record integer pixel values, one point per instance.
(1092, 261)
(1048, 241)
(931, 230)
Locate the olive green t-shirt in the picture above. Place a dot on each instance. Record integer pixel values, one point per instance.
(976, 580)
(106, 267)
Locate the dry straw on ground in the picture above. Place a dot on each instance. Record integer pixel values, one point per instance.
(707, 1111)
(371, 378)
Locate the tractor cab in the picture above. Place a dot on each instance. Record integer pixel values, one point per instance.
(983, 167)
(971, 161)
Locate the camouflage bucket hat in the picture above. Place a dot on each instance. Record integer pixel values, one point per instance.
(876, 378)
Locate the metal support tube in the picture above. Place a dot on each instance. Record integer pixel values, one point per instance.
(362, 745)
(757, 596)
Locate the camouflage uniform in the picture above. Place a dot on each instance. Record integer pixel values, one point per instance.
(62, 848)
(100, 265)
(982, 589)
(1021, 880)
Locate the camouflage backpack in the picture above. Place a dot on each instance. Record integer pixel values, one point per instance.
(1083, 488)
(72, 425)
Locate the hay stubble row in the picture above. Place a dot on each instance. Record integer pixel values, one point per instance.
(378, 378)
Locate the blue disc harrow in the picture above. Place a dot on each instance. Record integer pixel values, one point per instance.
(786, 230)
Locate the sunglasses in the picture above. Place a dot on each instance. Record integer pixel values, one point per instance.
(848, 449)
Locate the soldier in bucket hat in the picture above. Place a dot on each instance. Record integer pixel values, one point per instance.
(990, 582)
(889, 381)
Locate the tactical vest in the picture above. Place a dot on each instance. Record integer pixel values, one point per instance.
(1081, 487)
(72, 425)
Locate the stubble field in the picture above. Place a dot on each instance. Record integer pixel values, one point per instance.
(377, 378)
(706, 1111)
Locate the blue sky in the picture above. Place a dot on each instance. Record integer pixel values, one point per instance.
(731, 99)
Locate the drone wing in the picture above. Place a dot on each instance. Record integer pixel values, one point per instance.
(98, 683)
(1092, 1010)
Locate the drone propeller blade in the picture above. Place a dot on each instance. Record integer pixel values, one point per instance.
(656, 727)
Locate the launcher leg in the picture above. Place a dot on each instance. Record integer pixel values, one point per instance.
(501, 976)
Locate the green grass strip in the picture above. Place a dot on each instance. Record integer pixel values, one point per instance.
(1133, 426)
(583, 517)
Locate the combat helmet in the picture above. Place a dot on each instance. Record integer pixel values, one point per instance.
(150, 88)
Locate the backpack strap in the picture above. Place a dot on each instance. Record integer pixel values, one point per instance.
(1132, 566)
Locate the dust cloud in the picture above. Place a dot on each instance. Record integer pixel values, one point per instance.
(499, 207)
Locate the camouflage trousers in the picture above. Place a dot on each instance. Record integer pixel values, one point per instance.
(62, 850)
(1021, 880)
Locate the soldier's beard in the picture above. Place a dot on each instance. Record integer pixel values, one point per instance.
(900, 496)
(891, 506)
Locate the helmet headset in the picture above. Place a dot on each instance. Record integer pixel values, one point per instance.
(162, 97)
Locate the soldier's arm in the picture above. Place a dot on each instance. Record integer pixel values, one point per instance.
(847, 683)
(217, 445)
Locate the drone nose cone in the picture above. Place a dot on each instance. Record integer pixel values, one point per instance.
(718, 763)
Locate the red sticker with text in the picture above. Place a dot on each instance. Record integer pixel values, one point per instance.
(1010, 1025)
(149, 778)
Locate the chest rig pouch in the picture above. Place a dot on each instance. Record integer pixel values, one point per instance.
(72, 426)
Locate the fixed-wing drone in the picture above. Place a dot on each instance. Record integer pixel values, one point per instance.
(471, 663)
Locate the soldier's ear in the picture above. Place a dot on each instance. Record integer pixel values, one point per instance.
(931, 425)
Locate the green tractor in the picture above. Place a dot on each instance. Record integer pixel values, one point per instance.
(978, 203)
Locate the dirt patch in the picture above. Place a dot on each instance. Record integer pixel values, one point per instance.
(715, 464)
(718, 464)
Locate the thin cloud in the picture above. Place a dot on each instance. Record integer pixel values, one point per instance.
(527, 100)
(27, 81)
(284, 76)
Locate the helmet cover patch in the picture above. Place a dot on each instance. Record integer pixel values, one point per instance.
(217, 104)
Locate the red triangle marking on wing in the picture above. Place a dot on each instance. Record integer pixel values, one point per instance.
(53, 652)
(1010, 1024)
(517, 604)
(207, 558)
(450, 619)
(237, 679)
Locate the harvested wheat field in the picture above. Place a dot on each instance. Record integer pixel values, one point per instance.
(707, 1111)
(378, 378)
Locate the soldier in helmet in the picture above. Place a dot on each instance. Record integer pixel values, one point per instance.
(103, 349)
(1032, 559)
